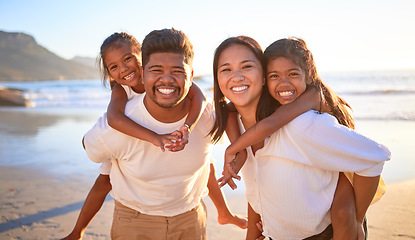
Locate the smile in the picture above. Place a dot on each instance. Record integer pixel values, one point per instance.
(129, 76)
(166, 91)
(286, 93)
(239, 88)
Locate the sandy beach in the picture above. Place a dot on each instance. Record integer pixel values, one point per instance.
(45, 177)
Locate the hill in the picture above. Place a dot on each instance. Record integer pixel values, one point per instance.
(22, 59)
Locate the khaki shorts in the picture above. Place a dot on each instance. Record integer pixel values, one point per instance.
(129, 224)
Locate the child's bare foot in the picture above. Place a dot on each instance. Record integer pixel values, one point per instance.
(235, 219)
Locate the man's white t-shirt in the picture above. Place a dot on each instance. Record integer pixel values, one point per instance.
(142, 176)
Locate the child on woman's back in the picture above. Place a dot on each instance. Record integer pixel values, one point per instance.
(290, 71)
(120, 63)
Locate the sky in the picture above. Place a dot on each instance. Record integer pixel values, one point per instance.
(353, 35)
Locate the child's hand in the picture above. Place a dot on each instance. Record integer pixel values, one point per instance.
(231, 167)
(183, 135)
(165, 141)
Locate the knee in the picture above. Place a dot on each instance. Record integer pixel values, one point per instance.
(343, 214)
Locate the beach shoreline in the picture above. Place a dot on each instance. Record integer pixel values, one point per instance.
(45, 177)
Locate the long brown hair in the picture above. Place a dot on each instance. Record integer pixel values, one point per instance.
(296, 50)
(221, 109)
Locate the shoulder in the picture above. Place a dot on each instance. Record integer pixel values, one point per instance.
(313, 122)
(130, 92)
(315, 118)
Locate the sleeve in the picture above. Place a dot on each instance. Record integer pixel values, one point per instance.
(322, 142)
(129, 91)
(105, 168)
(95, 148)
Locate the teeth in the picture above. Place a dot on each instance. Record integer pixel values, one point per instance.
(286, 93)
(165, 90)
(238, 89)
(129, 76)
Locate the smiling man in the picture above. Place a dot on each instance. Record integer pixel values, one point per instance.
(158, 194)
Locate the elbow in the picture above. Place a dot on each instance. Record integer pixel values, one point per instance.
(113, 122)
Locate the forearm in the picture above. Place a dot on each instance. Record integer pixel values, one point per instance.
(365, 189)
(124, 124)
(282, 115)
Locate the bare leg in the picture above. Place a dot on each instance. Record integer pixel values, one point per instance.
(225, 216)
(92, 204)
(343, 211)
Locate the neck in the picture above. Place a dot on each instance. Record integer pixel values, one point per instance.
(167, 115)
(248, 116)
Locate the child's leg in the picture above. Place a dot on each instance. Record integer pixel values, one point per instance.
(92, 204)
(225, 216)
(343, 211)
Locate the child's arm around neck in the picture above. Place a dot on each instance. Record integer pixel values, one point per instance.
(198, 100)
(198, 103)
(119, 121)
(283, 115)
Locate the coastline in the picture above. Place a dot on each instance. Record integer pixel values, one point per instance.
(45, 177)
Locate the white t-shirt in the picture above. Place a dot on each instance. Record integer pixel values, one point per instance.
(291, 181)
(105, 167)
(142, 176)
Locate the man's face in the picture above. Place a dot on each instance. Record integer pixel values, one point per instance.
(167, 78)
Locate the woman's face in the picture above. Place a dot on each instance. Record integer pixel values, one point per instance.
(240, 76)
(286, 80)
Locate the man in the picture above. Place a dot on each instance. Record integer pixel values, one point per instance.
(158, 194)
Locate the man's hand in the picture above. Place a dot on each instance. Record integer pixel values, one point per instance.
(360, 230)
(259, 226)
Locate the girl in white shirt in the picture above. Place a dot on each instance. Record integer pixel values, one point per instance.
(291, 179)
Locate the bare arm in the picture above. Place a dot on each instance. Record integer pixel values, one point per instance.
(364, 189)
(119, 121)
(198, 99)
(198, 103)
(232, 166)
(283, 115)
(92, 204)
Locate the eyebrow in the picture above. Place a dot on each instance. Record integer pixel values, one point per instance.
(292, 69)
(160, 66)
(244, 61)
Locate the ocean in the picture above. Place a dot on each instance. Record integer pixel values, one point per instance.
(47, 136)
(372, 95)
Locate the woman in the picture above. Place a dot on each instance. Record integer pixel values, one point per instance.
(292, 196)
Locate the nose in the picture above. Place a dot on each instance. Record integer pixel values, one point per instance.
(123, 67)
(283, 79)
(166, 78)
(238, 76)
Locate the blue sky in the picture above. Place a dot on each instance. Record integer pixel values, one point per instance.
(343, 35)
